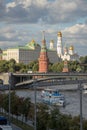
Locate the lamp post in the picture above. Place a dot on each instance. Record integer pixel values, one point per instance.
(81, 118)
(9, 98)
(35, 108)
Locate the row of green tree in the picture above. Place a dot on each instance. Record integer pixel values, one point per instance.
(12, 66)
(46, 118)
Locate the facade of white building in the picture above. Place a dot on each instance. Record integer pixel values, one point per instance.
(68, 53)
(23, 54)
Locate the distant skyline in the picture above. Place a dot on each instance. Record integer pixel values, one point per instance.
(24, 20)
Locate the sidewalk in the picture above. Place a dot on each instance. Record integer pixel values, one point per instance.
(28, 122)
(14, 127)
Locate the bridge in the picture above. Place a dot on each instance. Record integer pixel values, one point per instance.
(25, 80)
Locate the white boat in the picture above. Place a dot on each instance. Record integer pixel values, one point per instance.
(52, 97)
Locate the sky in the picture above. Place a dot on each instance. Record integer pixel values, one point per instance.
(24, 20)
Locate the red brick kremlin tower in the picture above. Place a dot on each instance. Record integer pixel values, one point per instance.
(43, 59)
(65, 68)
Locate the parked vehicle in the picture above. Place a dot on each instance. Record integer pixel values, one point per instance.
(3, 120)
(4, 124)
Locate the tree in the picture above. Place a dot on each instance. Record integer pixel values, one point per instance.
(26, 107)
(74, 123)
(83, 60)
(73, 65)
(12, 63)
(50, 67)
(35, 67)
(57, 67)
(42, 117)
(4, 66)
(53, 119)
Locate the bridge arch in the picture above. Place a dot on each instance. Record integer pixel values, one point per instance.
(49, 81)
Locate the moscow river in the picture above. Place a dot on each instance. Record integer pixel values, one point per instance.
(72, 99)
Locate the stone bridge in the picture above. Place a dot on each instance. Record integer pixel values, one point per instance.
(24, 79)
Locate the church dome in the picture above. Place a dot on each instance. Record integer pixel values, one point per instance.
(59, 34)
(71, 48)
(32, 44)
(52, 41)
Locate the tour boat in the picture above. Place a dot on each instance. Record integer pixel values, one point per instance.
(52, 97)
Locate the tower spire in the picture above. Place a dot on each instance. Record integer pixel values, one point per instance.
(43, 40)
(43, 35)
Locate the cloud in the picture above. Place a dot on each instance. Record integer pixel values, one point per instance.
(7, 34)
(23, 20)
(50, 12)
(25, 11)
(2, 10)
(77, 31)
(74, 35)
(7, 44)
(11, 36)
(77, 36)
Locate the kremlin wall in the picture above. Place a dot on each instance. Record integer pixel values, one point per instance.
(33, 51)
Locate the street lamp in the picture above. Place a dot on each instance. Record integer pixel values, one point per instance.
(81, 118)
(35, 108)
(10, 74)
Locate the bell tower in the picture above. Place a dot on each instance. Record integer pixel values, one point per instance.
(59, 44)
(43, 59)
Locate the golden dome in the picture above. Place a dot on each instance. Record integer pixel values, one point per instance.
(71, 48)
(59, 34)
(33, 41)
(52, 41)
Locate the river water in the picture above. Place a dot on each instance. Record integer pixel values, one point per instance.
(72, 98)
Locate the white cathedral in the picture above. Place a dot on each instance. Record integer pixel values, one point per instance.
(64, 53)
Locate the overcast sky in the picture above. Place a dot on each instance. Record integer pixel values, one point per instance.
(24, 20)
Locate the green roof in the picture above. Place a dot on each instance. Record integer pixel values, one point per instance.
(32, 45)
